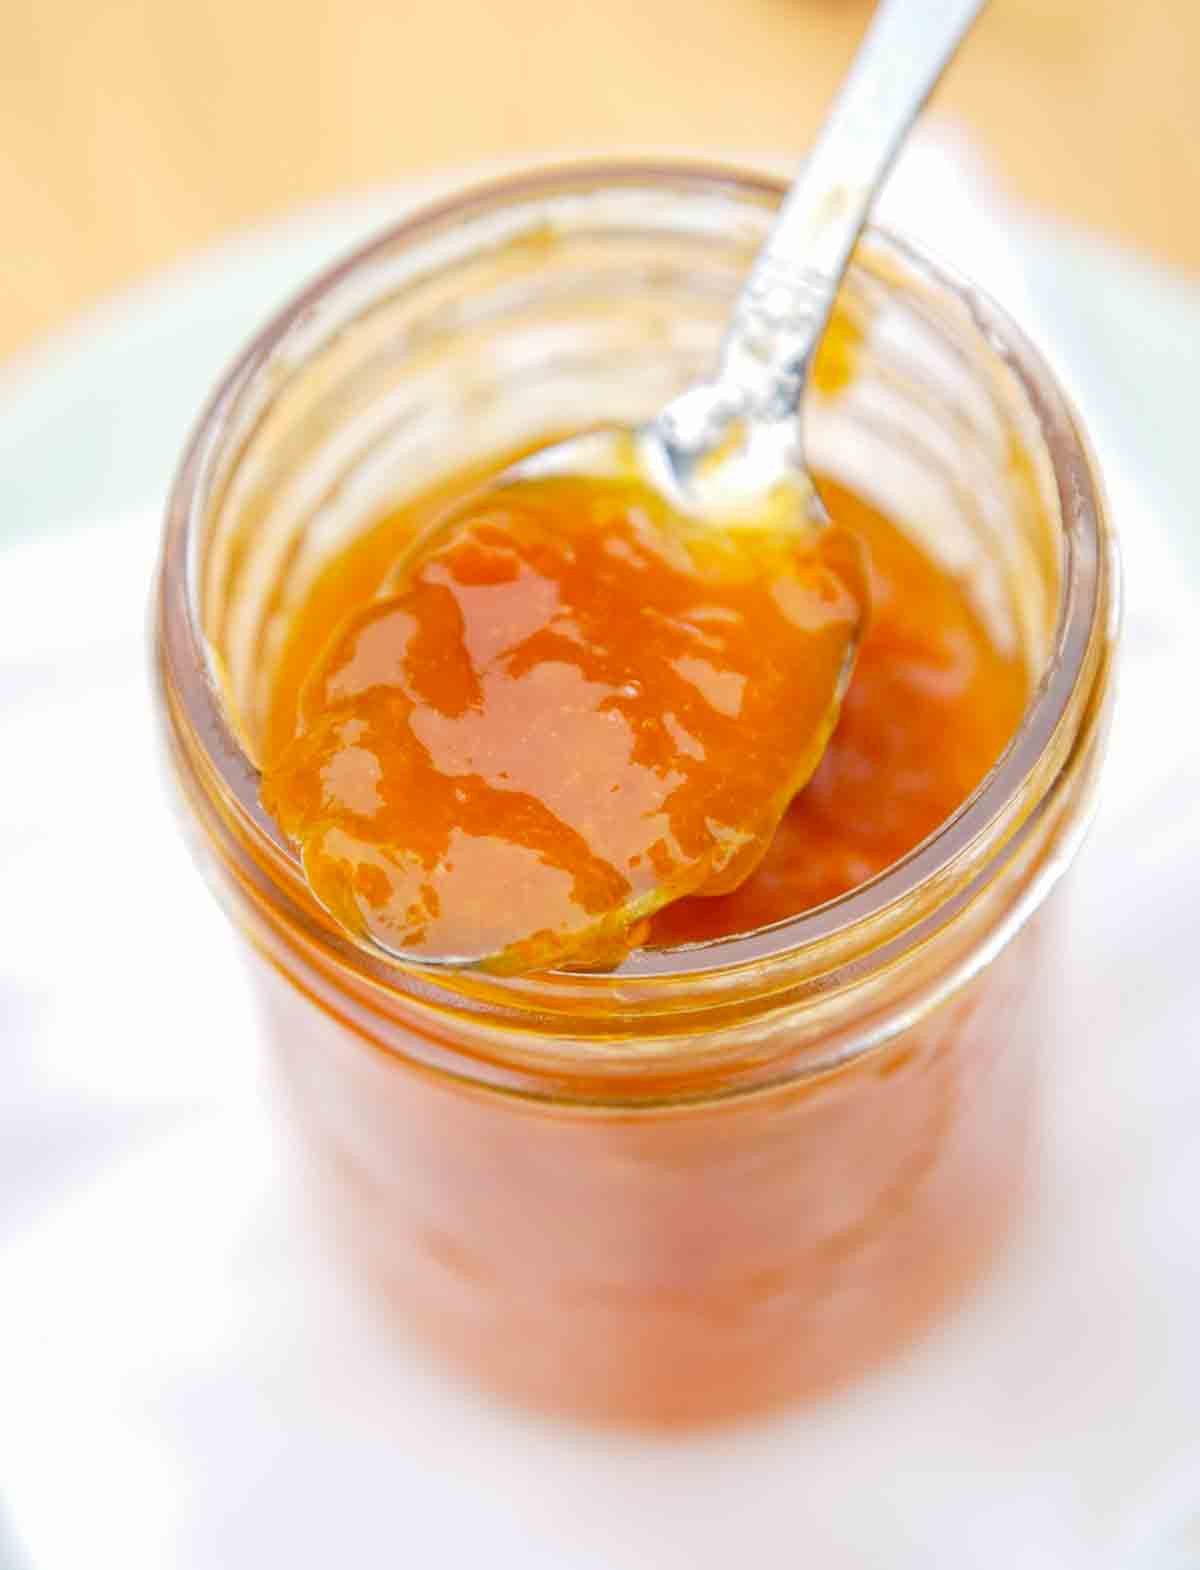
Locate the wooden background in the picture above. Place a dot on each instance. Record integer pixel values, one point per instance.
(131, 133)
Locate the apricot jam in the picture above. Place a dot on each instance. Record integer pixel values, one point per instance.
(575, 707)
(567, 651)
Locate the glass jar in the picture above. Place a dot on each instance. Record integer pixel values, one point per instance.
(723, 1176)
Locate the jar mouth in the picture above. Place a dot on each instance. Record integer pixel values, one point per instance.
(191, 679)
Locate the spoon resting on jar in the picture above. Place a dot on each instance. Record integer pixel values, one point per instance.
(594, 687)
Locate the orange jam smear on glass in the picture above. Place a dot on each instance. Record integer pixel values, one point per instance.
(568, 707)
(676, 679)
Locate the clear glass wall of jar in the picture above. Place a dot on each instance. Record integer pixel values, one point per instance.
(721, 1177)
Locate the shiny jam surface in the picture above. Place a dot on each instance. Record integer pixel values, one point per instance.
(570, 651)
(568, 708)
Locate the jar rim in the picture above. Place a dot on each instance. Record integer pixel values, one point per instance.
(1086, 609)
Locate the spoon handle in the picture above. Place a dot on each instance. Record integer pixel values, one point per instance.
(787, 299)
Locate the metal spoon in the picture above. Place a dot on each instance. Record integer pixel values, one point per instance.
(729, 444)
(726, 450)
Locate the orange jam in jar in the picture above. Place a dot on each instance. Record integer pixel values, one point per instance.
(754, 1153)
(932, 704)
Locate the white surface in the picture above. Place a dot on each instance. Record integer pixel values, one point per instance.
(183, 1384)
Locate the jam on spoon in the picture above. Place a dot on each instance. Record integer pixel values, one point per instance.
(570, 707)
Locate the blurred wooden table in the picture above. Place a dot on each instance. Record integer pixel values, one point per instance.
(133, 131)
